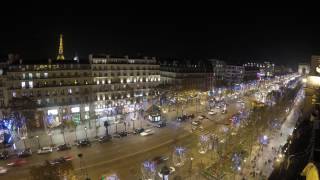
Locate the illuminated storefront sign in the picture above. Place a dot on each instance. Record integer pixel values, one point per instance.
(53, 111)
(75, 109)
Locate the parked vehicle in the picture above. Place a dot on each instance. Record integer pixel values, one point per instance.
(63, 147)
(147, 132)
(191, 116)
(44, 150)
(25, 153)
(104, 139)
(171, 171)
(83, 143)
(138, 131)
(161, 124)
(212, 112)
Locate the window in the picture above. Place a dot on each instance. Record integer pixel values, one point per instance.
(48, 100)
(23, 84)
(30, 84)
(14, 94)
(98, 82)
(39, 101)
(103, 82)
(30, 75)
(23, 76)
(70, 91)
(45, 74)
(38, 75)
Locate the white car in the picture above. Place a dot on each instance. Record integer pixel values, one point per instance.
(200, 117)
(45, 150)
(212, 112)
(147, 132)
(171, 171)
(3, 170)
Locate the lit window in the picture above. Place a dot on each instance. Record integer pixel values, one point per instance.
(98, 82)
(48, 100)
(23, 84)
(86, 108)
(23, 76)
(14, 94)
(70, 91)
(30, 84)
(39, 101)
(98, 98)
(38, 75)
(45, 74)
(102, 81)
(109, 81)
(86, 116)
(121, 80)
(30, 75)
(75, 82)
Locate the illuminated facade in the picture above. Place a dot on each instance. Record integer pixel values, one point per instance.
(71, 92)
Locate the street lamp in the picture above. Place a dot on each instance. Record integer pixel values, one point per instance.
(38, 141)
(50, 134)
(85, 130)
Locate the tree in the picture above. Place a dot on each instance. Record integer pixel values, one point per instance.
(53, 172)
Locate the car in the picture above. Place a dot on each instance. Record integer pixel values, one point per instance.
(160, 159)
(191, 116)
(224, 111)
(44, 150)
(25, 153)
(60, 160)
(201, 117)
(171, 171)
(138, 131)
(147, 132)
(83, 143)
(212, 112)
(17, 162)
(161, 124)
(196, 123)
(104, 139)
(63, 147)
(3, 170)
(4, 155)
(123, 133)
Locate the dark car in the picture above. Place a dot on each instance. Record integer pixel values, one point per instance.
(161, 124)
(138, 131)
(123, 134)
(190, 116)
(160, 159)
(25, 153)
(4, 155)
(83, 143)
(60, 160)
(63, 147)
(104, 139)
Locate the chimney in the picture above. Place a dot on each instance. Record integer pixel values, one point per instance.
(126, 56)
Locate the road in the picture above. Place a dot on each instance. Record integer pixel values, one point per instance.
(124, 156)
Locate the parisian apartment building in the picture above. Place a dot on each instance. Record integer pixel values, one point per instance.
(73, 91)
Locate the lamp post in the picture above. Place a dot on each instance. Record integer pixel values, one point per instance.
(85, 130)
(50, 134)
(38, 141)
(190, 170)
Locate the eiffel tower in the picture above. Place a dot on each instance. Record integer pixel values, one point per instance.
(60, 53)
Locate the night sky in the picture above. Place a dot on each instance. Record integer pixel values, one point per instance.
(284, 39)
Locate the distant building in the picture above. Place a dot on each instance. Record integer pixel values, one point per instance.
(186, 76)
(77, 91)
(234, 74)
(315, 65)
(251, 73)
(266, 69)
(218, 67)
(304, 69)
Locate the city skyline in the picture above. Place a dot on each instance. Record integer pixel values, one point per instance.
(285, 40)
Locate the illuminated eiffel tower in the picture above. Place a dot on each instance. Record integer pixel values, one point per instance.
(60, 53)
